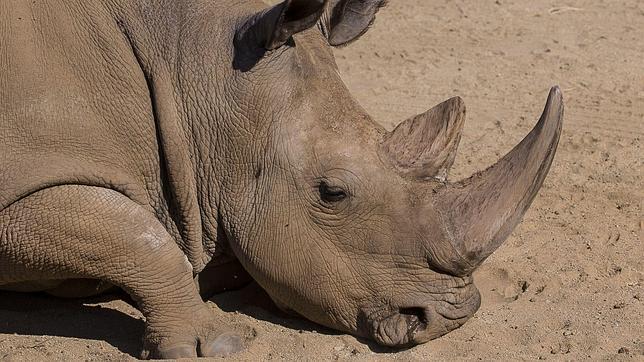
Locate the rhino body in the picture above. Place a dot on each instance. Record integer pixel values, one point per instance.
(170, 147)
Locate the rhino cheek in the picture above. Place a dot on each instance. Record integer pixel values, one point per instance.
(303, 280)
(283, 306)
(323, 307)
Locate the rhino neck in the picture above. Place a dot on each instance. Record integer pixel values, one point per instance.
(213, 143)
(178, 68)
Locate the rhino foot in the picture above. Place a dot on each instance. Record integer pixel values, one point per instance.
(204, 337)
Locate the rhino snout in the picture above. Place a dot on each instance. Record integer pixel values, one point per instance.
(421, 322)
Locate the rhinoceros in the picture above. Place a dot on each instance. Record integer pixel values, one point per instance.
(166, 147)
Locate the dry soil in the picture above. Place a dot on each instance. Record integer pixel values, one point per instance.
(568, 283)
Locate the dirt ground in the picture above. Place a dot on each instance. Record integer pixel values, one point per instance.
(568, 283)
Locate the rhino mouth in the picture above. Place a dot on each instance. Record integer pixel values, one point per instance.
(400, 328)
(408, 327)
(416, 319)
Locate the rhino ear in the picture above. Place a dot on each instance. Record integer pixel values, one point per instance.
(274, 27)
(346, 20)
(425, 146)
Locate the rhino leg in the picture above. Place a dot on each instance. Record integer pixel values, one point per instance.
(70, 232)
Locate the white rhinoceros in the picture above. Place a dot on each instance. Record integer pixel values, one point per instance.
(148, 143)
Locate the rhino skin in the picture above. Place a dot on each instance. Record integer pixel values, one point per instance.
(169, 147)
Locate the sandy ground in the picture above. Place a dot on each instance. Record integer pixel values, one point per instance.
(567, 285)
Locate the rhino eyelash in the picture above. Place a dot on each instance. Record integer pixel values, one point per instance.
(331, 194)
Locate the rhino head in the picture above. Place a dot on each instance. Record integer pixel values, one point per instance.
(349, 225)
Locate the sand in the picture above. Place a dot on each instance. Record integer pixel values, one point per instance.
(567, 285)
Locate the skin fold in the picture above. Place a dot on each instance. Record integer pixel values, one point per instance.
(175, 149)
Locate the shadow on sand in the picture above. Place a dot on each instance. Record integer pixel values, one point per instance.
(254, 302)
(38, 314)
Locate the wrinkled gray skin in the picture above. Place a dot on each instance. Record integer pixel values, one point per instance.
(149, 144)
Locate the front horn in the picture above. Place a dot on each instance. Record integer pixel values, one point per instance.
(479, 213)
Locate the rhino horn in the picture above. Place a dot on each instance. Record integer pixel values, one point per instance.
(479, 213)
(425, 146)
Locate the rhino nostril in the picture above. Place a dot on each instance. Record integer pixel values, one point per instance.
(414, 311)
(416, 318)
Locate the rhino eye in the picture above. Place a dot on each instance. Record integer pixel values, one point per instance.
(331, 194)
